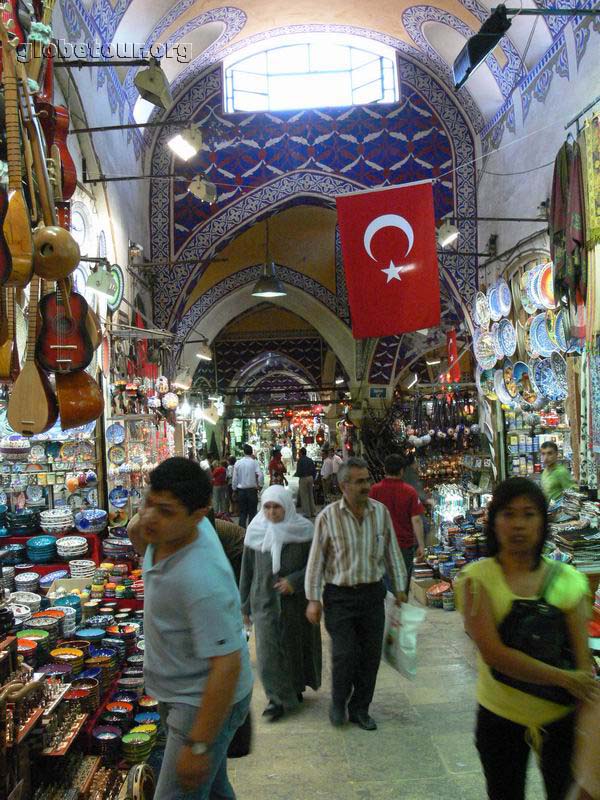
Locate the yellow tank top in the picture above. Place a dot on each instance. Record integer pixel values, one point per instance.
(565, 592)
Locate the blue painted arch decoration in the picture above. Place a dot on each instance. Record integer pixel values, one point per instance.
(325, 153)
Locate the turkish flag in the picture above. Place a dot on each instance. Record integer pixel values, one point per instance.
(453, 365)
(388, 241)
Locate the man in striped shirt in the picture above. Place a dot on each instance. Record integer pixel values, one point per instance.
(354, 545)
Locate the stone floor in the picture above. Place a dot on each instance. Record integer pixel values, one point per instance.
(423, 749)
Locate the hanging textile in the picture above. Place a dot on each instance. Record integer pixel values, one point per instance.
(587, 465)
(573, 409)
(590, 149)
(567, 235)
(595, 402)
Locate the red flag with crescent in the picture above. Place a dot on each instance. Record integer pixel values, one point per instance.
(388, 242)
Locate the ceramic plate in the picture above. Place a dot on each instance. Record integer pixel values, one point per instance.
(507, 337)
(485, 352)
(504, 297)
(116, 455)
(493, 303)
(529, 306)
(118, 497)
(35, 494)
(545, 287)
(501, 390)
(495, 334)
(559, 368)
(482, 310)
(37, 452)
(560, 330)
(540, 341)
(115, 434)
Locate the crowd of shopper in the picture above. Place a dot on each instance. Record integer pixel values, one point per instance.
(526, 614)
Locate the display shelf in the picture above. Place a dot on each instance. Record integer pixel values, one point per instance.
(49, 709)
(25, 731)
(76, 730)
(88, 782)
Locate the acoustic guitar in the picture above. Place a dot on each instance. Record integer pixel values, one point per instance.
(32, 405)
(63, 343)
(79, 397)
(16, 226)
(9, 354)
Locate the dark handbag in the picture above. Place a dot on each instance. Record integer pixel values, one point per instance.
(241, 744)
(539, 629)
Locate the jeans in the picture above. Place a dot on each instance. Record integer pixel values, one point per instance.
(180, 718)
(504, 752)
(355, 619)
(248, 503)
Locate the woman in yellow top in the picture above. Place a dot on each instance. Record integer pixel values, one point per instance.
(509, 720)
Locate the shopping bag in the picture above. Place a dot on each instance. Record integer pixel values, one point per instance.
(400, 637)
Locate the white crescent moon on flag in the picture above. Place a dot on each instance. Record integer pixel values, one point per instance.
(388, 221)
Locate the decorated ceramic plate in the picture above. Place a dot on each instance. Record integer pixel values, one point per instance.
(529, 306)
(37, 452)
(522, 379)
(545, 286)
(504, 297)
(493, 303)
(485, 352)
(494, 333)
(507, 337)
(75, 501)
(482, 310)
(118, 497)
(116, 455)
(560, 330)
(35, 494)
(501, 390)
(559, 368)
(540, 341)
(115, 434)
(515, 290)
(68, 450)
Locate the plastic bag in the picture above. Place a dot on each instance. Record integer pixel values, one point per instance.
(400, 636)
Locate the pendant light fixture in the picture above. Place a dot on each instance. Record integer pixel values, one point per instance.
(268, 285)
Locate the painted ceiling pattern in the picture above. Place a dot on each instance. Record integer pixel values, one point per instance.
(316, 154)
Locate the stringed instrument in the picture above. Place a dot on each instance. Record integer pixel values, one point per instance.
(16, 225)
(5, 257)
(79, 397)
(32, 405)
(9, 353)
(36, 49)
(55, 124)
(56, 251)
(63, 343)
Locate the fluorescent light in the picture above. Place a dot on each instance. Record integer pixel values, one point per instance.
(433, 363)
(447, 233)
(203, 190)
(338, 381)
(413, 382)
(204, 352)
(186, 144)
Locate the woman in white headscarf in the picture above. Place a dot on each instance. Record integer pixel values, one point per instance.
(288, 648)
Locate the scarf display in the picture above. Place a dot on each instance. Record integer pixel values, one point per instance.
(567, 230)
(265, 536)
(587, 464)
(590, 149)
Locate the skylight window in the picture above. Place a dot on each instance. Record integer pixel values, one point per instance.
(323, 72)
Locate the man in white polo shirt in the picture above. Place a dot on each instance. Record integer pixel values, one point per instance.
(246, 481)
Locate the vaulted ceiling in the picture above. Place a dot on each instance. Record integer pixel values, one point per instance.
(202, 32)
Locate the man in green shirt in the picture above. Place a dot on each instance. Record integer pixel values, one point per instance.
(555, 477)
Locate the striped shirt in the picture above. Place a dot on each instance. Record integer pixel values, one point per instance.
(347, 552)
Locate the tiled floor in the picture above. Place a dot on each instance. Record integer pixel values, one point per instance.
(423, 749)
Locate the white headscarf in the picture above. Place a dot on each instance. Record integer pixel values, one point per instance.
(263, 535)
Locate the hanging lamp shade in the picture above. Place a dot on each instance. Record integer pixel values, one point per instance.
(269, 285)
(153, 86)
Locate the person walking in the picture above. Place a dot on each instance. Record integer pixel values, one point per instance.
(196, 661)
(405, 508)
(287, 456)
(306, 473)
(353, 546)
(246, 481)
(230, 466)
(555, 477)
(288, 648)
(220, 499)
(524, 700)
(329, 470)
(277, 470)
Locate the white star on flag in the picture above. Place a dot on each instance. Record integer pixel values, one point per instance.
(393, 272)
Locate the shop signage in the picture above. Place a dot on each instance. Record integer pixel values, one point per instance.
(377, 392)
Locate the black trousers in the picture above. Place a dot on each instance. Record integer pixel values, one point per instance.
(248, 504)
(504, 753)
(355, 621)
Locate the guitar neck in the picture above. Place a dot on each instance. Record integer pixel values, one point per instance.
(10, 312)
(11, 114)
(36, 62)
(32, 322)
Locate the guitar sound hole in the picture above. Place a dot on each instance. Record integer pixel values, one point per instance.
(63, 326)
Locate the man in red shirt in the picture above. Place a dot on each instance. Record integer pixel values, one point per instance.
(405, 509)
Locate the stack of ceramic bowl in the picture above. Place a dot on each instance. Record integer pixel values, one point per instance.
(14, 554)
(55, 613)
(106, 659)
(147, 718)
(33, 601)
(91, 685)
(8, 578)
(69, 622)
(138, 588)
(41, 549)
(82, 568)
(100, 621)
(61, 672)
(107, 742)
(91, 520)
(78, 700)
(71, 547)
(72, 600)
(42, 639)
(50, 624)
(27, 581)
(122, 696)
(21, 614)
(136, 747)
(68, 655)
(92, 635)
(117, 547)
(118, 645)
(127, 633)
(148, 704)
(27, 648)
(150, 729)
(57, 520)
(123, 710)
(22, 523)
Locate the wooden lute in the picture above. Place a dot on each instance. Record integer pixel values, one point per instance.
(32, 405)
(79, 398)
(9, 354)
(17, 226)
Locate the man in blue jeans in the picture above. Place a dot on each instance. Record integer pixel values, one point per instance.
(196, 659)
